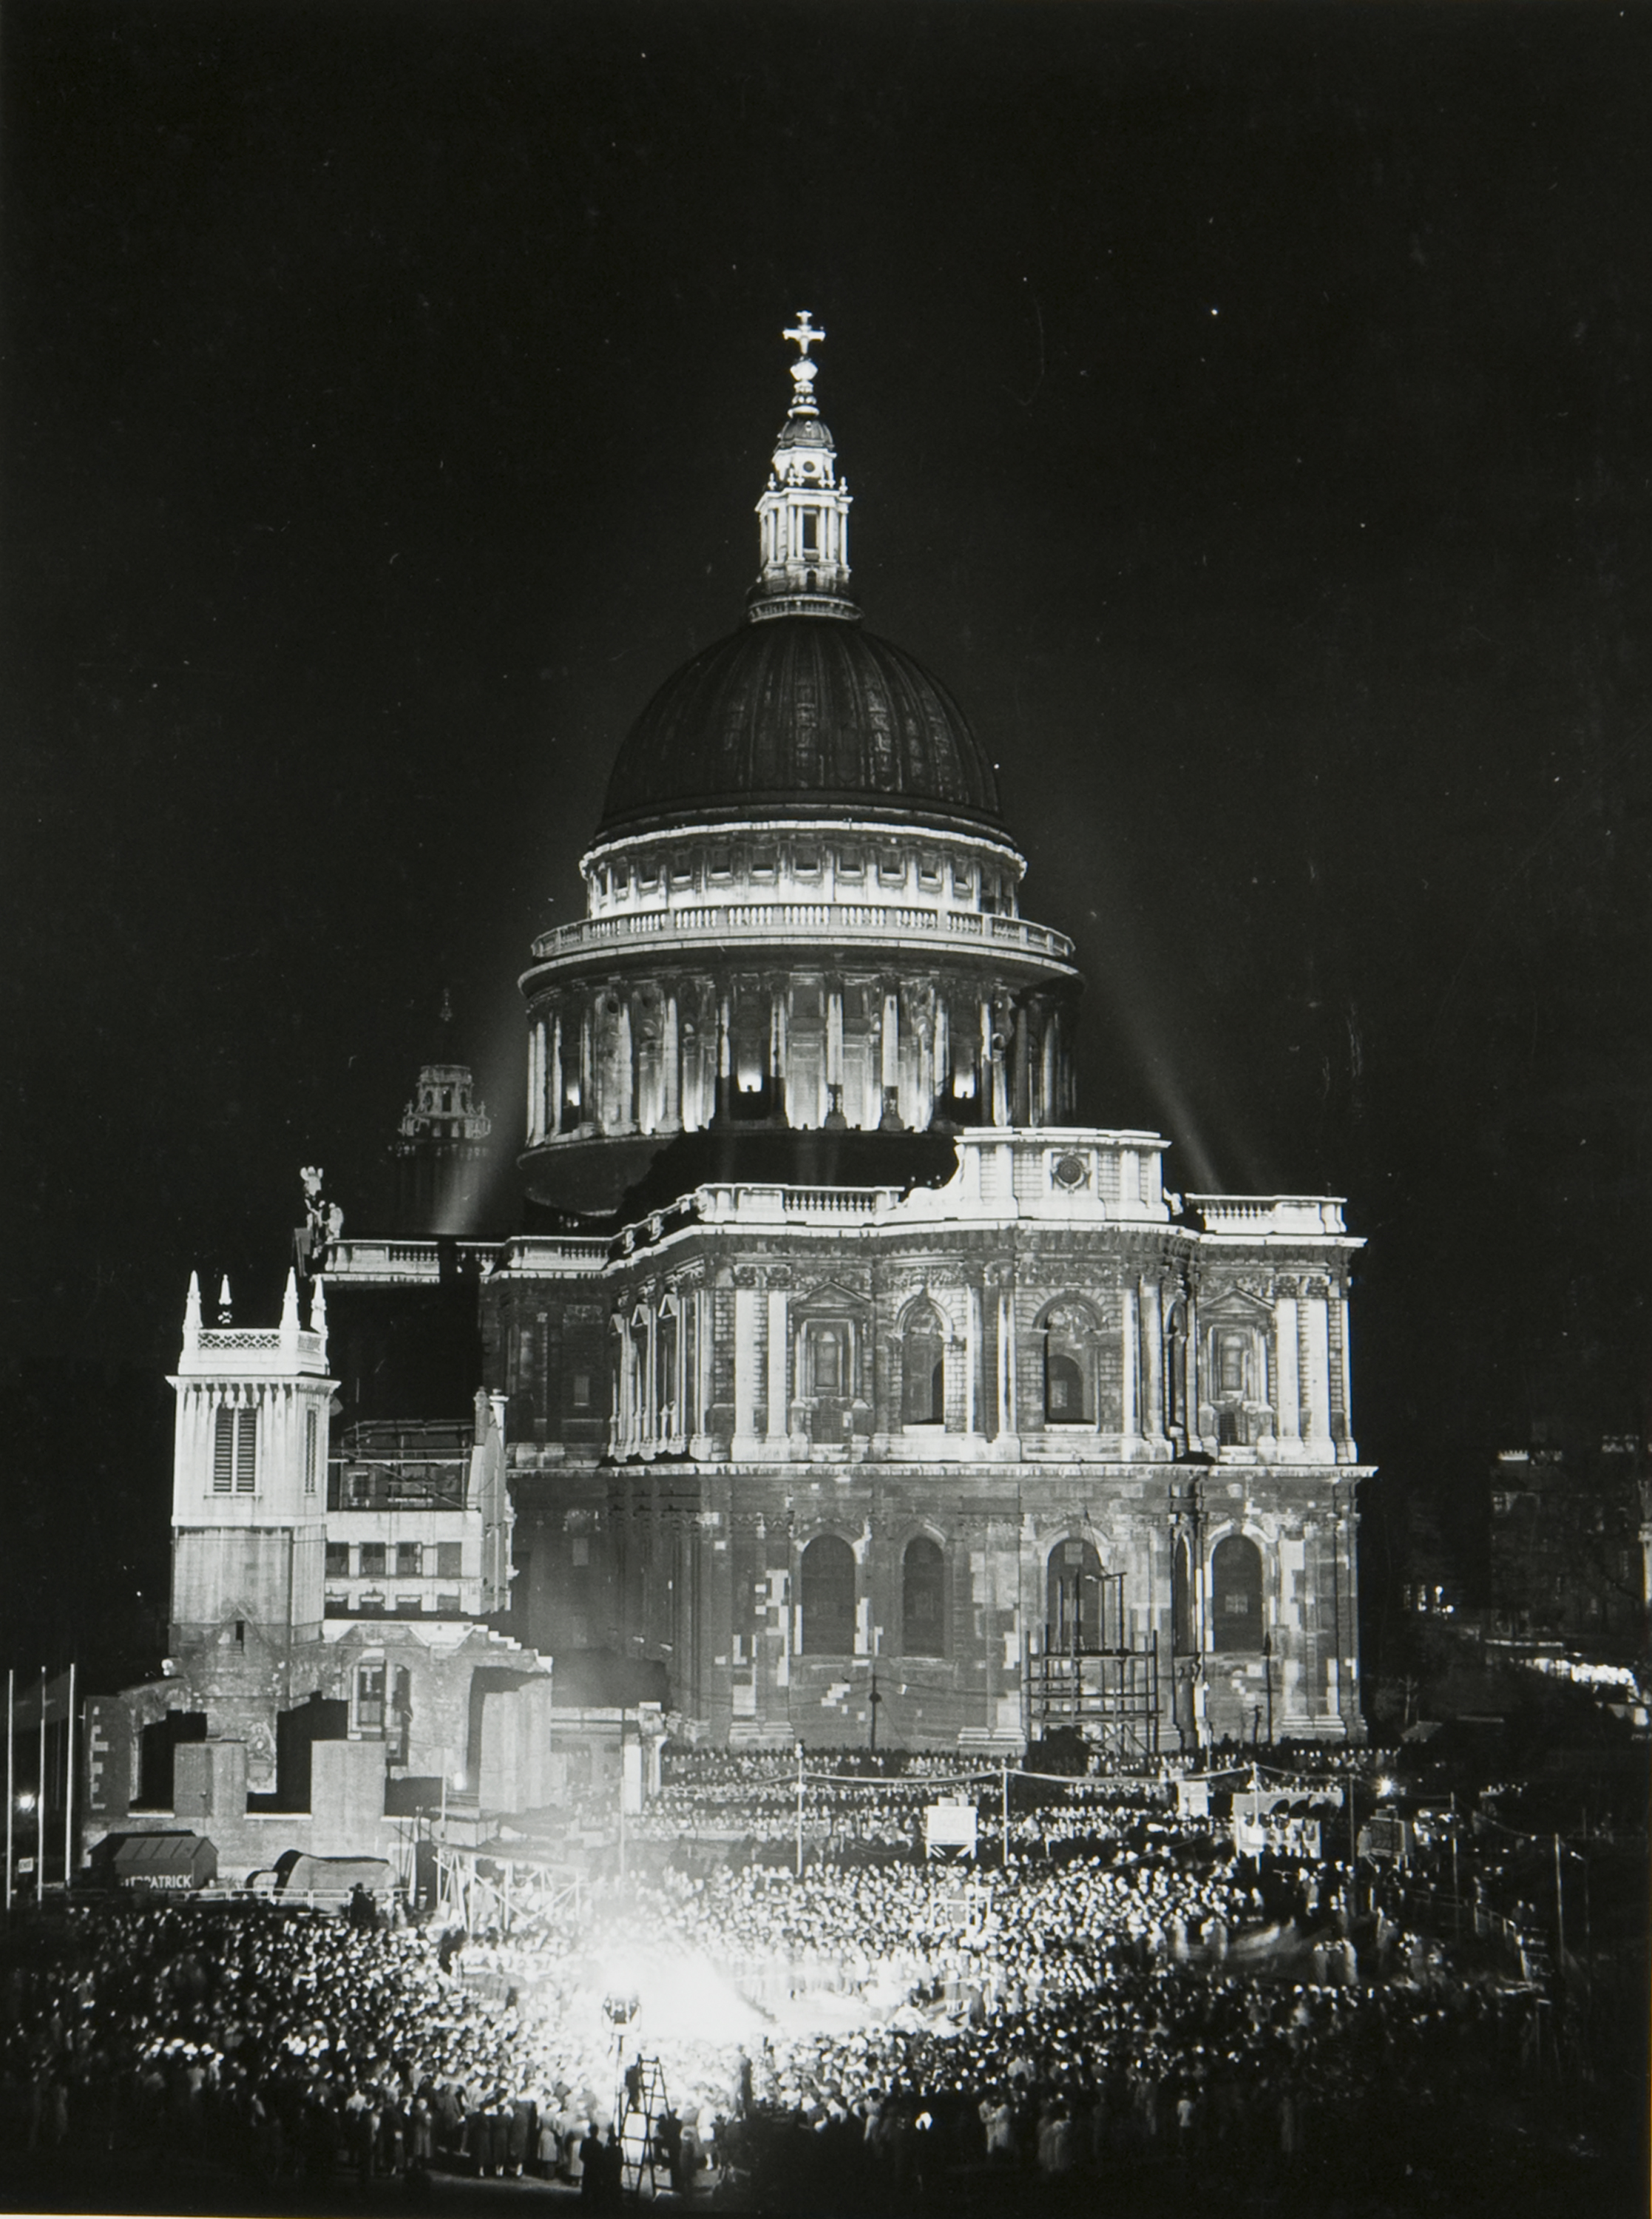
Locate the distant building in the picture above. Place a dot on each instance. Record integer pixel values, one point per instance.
(1571, 1545)
(441, 1154)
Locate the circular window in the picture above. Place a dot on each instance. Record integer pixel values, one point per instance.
(1070, 1173)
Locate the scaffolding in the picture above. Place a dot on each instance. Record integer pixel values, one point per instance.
(1084, 1675)
(475, 1899)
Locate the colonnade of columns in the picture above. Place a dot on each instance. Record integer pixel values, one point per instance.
(865, 1051)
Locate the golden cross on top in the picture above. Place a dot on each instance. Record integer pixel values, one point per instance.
(804, 333)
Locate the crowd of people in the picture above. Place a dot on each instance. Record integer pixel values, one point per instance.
(1130, 1992)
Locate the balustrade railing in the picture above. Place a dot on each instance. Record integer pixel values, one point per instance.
(810, 920)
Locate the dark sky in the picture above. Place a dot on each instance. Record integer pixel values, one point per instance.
(1247, 411)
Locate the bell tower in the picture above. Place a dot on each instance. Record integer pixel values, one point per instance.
(248, 1476)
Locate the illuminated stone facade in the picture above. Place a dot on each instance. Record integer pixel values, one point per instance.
(873, 1367)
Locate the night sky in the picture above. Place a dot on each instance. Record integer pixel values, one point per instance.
(1247, 413)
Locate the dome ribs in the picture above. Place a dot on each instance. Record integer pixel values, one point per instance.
(803, 709)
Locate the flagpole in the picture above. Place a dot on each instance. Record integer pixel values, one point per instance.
(69, 1791)
(40, 1805)
(11, 1772)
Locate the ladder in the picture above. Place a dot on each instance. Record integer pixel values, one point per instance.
(640, 2106)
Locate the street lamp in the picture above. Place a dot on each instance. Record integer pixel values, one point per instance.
(1266, 1674)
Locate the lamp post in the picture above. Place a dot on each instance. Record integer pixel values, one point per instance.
(1267, 1676)
(872, 1700)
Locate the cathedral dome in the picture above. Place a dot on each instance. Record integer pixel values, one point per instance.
(804, 715)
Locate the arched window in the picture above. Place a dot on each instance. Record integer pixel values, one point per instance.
(1181, 1602)
(1068, 1366)
(1073, 1597)
(1236, 1595)
(923, 1599)
(923, 1368)
(826, 1577)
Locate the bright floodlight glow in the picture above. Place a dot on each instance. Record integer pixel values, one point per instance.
(26, 1801)
(1385, 1785)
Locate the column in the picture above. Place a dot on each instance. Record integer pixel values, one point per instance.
(1044, 1110)
(972, 1357)
(704, 1354)
(780, 997)
(670, 1068)
(1190, 1371)
(745, 1370)
(778, 1413)
(889, 1077)
(556, 1087)
(679, 1372)
(536, 1095)
(1153, 1349)
(1287, 1388)
(1007, 1360)
(1342, 1408)
(724, 1066)
(1022, 1074)
(586, 1106)
(1129, 1422)
(1315, 1362)
(651, 1383)
(943, 1050)
(625, 1058)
